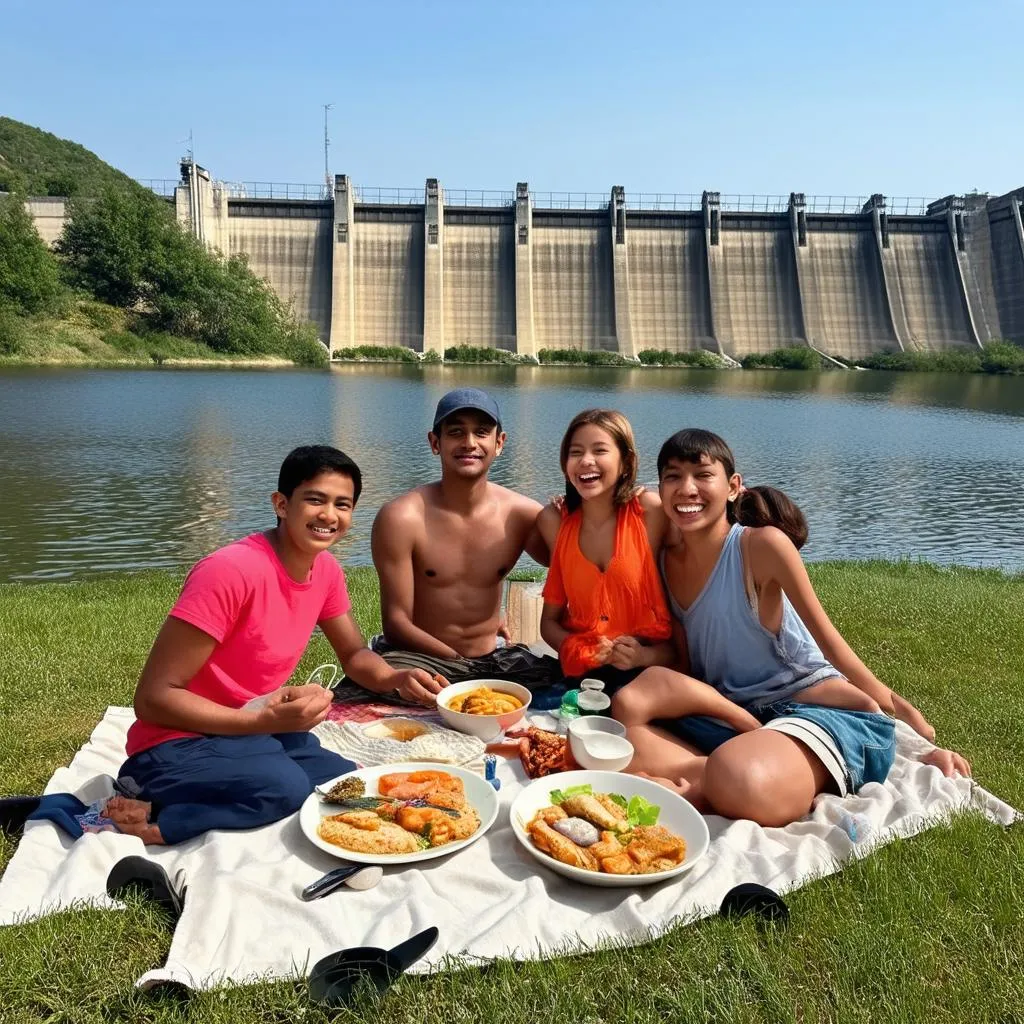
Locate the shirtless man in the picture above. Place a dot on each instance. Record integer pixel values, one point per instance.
(442, 552)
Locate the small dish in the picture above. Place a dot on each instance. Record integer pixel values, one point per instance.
(600, 744)
(484, 727)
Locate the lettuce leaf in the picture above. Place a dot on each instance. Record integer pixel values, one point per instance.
(642, 812)
(619, 799)
(558, 795)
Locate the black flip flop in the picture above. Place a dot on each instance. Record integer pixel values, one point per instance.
(145, 876)
(334, 978)
(759, 900)
(14, 811)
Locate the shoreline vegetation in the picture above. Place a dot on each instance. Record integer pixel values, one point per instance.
(996, 358)
(92, 334)
(892, 930)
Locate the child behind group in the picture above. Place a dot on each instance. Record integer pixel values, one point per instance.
(754, 628)
(219, 742)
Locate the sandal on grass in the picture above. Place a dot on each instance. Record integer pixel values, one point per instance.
(147, 877)
(750, 898)
(14, 810)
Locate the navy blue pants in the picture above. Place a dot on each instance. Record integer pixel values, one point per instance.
(229, 782)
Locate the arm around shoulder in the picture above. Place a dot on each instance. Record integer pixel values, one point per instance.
(549, 520)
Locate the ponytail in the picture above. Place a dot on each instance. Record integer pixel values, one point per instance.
(768, 506)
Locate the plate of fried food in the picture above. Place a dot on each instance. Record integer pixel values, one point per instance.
(609, 829)
(399, 813)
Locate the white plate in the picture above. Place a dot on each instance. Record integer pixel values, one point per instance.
(480, 795)
(677, 815)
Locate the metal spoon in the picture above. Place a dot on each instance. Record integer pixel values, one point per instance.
(355, 876)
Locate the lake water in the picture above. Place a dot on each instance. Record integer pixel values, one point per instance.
(117, 470)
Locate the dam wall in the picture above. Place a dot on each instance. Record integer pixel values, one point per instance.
(1007, 260)
(928, 285)
(290, 246)
(573, 304)
(388, 256)
(755, 295)
(429, 269)
(669, 288)
(479, 278)
(844, 300)
(48, 214)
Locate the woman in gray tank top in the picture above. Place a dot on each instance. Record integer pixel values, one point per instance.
(808, 712)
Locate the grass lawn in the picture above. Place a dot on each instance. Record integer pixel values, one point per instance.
(927, 929)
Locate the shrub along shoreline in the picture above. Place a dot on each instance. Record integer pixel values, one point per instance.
(997, 358)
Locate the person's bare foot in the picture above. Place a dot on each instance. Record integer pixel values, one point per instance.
(680, 787)
(123, 810)
(684, 787)
(132, 818)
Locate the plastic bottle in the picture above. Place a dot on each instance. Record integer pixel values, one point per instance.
(569, 708)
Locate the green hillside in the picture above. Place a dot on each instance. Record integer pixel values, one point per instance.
(37, 163)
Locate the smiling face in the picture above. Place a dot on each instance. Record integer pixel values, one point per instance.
(318, 512)
(695, 494)
(467, 442)
(593, 463)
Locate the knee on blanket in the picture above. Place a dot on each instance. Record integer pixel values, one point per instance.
(762, 789)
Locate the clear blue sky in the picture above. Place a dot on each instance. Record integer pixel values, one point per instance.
(920, 99)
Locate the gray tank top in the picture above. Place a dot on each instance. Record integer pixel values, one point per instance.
(732, 651)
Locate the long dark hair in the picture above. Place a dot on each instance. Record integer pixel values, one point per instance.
(755, 506)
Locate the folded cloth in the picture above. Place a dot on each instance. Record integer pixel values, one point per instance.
(435, 743)
(244, 886)
(72, 815)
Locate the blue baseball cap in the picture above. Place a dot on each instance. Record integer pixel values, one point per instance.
(466, 398)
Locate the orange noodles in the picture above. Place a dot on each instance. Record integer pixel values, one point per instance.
(485, 701)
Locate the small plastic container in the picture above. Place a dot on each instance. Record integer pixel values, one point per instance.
(592, 699)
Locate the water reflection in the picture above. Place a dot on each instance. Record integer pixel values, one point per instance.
(118, 470)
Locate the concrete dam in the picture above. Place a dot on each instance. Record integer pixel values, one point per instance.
(524, 273)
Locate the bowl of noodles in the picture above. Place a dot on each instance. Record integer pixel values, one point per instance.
(483, 707)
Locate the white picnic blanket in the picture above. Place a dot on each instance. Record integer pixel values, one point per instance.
(243, 919)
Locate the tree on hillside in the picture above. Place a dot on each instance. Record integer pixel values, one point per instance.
(112, 245)
(127, 250)
(29, 275)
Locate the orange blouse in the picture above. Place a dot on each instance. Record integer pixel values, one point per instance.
(625, 599)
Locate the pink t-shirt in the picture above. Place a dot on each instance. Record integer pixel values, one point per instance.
(260, 617)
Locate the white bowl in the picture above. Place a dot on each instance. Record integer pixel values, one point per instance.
(485, 727)
(479, 794)
(600, 744)
(677, 815)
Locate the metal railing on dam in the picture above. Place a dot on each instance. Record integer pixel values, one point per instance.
(549, 200)
(519, 269)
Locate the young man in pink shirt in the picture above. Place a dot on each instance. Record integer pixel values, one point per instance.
(204, 753)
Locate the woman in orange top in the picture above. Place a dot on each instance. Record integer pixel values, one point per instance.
(604, 608)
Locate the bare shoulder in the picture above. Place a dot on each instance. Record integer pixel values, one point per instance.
(769, 538)
(405, 510)
(770, 548)
(517, 504)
